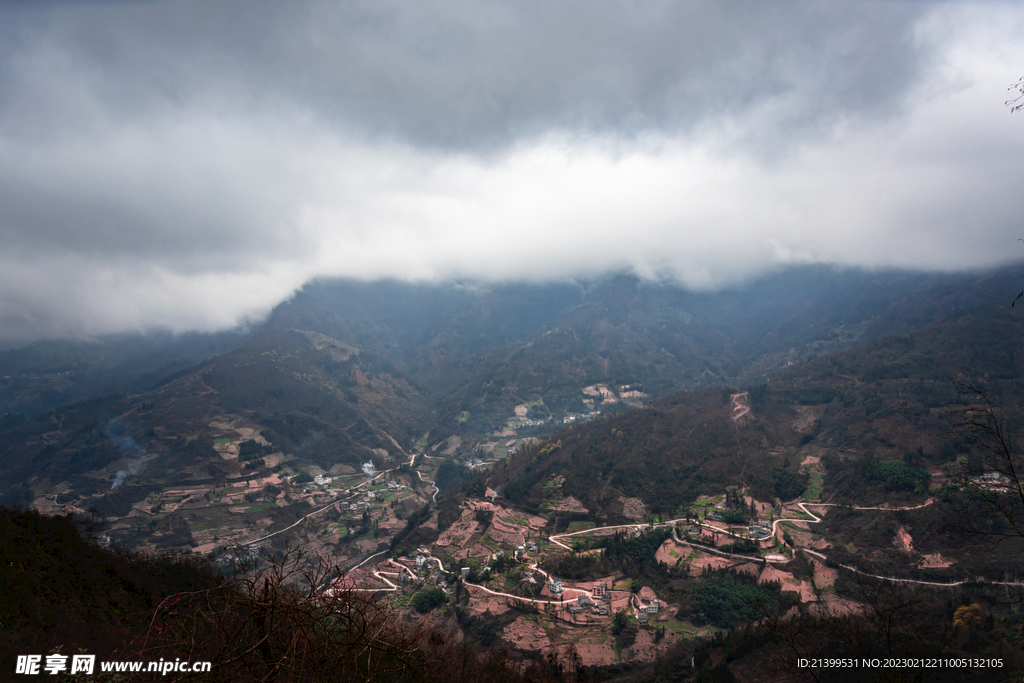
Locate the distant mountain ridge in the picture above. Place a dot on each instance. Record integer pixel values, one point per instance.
(349, 372)
(485, 350)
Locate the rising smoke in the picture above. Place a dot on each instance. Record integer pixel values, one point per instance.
(128, 446)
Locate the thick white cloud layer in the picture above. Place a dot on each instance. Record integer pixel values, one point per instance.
(195, 183)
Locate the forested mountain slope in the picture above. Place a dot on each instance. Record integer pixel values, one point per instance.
(480, 351)
(887, 400)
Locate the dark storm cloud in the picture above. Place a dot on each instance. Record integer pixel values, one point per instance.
(464, 74)
(189, 164)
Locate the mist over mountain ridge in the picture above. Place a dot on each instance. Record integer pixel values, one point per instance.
(430, 330)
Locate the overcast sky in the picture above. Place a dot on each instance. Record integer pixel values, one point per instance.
(189, 164)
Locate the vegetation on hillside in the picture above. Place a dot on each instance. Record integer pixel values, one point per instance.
(687, 444)
(725, 598)
(273, 619)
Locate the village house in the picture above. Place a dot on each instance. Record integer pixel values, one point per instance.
(321, 480)
(994, 481)
(642, 617)
(251, 552)
(760, 529)
(599, 589)
(555, 586)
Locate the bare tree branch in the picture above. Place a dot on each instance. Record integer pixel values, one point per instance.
(993, 472)
(1017, 103)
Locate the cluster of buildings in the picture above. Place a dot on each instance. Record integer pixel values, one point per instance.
(649, 605)
(241, 554)
(322, 482)
(599, 604)
(415, 568)
(523, 549)
(993, 481)
(569, 419)
(419, 560)
(357, 505)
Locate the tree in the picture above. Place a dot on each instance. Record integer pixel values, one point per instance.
(279, 623)
(428, 600)
(896, 620)
(995, 474)
(619, 622)
(968, 616)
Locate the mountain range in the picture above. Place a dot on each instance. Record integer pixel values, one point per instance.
(349, 372)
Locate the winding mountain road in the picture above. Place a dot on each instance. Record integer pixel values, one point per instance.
(775, 525)
(743, 408)
(419, 474)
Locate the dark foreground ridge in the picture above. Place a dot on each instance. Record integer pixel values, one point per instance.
(292, 620)
(283, 620)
